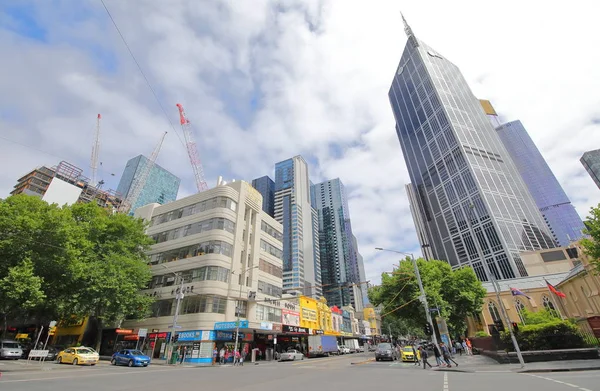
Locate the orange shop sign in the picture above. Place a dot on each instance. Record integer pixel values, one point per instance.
(124, 331)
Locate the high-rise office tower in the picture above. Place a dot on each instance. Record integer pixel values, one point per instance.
(341, 263)
(266, 187)
(293, 209)
(591, 162)
(472, 201)
(552, 201)
(161, 187)
(417, 216)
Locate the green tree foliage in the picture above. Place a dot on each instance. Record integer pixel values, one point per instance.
(539, 317)
(90, 262)
(592, 245)
(20, 290)
(457, 293)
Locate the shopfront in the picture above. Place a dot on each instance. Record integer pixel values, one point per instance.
(155, 344)
(293, 337)
(196, 346)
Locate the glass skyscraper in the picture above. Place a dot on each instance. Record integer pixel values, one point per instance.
(161, 187)
(294, 210)
(591, 162)
(560, 215)
(342, 270)
(266, 187)
(473, 203)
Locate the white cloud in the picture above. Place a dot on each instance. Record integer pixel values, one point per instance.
(265, 80)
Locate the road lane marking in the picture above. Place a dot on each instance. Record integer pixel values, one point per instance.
(445, 381)
(558, 381)
(326, 359)
(92, 375)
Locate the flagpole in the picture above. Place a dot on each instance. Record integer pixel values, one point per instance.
(552, 294)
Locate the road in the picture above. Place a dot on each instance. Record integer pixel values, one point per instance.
(333, 373)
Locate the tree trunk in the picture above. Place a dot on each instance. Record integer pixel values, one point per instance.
(99, 330)
(5, 326)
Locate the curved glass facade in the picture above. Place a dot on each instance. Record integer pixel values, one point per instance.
(472, 200)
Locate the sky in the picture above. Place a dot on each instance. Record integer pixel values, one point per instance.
(265, 80)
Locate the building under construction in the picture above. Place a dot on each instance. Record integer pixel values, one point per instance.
(65, 184)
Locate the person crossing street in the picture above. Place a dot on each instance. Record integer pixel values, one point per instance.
(424, 356)
(446, 354)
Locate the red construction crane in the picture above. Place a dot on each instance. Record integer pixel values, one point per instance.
(192, 150)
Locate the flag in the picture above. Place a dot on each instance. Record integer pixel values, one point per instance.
(516, 292)
(554, 290)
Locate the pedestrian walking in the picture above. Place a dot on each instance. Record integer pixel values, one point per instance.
(222, 356)
(424, 356)
(446, 355)
(459, 348)
(242, 354)
(438, 356)
(417, 362)
(465, 347)
(215, 355)
(469, 347)
(236, 358)
(183, 353)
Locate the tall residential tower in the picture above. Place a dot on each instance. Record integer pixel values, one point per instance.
(472, 201)
(293, 209)
(342, 270)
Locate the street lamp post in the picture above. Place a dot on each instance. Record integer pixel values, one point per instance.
(496, 286)
(178, 298)
(423, 296)
(237, 310)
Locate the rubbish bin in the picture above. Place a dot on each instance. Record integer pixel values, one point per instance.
(174, 357)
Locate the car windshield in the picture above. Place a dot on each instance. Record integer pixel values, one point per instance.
(136, 353)
(84, 351)
(408, 349)
(10, 345)
(384, 346)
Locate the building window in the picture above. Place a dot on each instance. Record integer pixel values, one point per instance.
(195, 228)
(162, 308)
(520, 307)
(271, 231)
(208, 247)
(267, 247)
(216, 202)
(493, 311)
(268, 267)
(269, 314)
(241, 308)
(269, 289)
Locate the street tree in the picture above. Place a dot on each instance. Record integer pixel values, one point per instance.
(453, 294)
(591, 245)
(20, 291)
(113, 267)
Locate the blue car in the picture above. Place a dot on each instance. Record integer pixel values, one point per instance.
(130, 357)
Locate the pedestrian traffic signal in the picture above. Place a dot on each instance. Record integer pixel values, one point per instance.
(427, 329)
(499, 325)
(515, 327)
(175, 338)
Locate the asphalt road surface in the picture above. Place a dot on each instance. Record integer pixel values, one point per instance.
(333, 373)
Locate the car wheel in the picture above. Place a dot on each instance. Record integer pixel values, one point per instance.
(59, 360)
(294, 359)
(130, 363)
(75, 361)
(376, 359)
(113, 361)
(302, 358)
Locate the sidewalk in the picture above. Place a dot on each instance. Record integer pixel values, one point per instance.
(480, 363)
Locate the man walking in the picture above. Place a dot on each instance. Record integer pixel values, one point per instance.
(446, 355)
(424, 356)
(222, 356)
(415, 355)
(438, 355)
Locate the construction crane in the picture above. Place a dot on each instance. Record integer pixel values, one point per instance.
(140, 182)
(192, 150)
(95, 152)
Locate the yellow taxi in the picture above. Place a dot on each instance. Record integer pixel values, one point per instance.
(408, 355)
(78, 356)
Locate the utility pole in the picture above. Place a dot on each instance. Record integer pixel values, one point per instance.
(423, 297)
(496, 286)
(178, 297)
(237, 310)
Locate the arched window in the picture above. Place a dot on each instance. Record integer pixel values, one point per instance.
(520, 308)
(493, 311)
(548, 303)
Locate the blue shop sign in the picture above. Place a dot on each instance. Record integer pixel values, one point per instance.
(193, 335)
(231, 325)
(227, 336)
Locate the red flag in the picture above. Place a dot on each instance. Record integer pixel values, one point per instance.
(554, 290)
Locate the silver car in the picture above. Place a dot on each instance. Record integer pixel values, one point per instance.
(291, 355)
(10, 350)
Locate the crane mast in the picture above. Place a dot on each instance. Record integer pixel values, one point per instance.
(140, 182)
(95, 152)
(192, 150)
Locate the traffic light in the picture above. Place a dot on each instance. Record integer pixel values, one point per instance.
(427, 329)
(52, 331)
(175, 338)
(515, 327)
(499, 325)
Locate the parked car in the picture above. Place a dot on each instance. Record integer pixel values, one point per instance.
(79, 355)
(291, 355)
(10, 350)
(408, 354)
(130, 357)
(385, 351)
(360, 349)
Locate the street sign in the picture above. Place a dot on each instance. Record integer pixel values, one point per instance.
(142, 332)
(38, 353)
(53, 323)
(177, 327)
